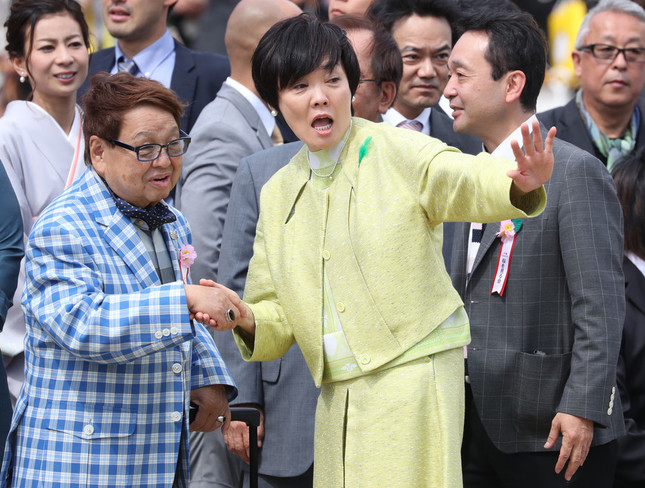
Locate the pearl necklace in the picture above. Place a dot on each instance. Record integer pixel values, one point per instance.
(329, 175)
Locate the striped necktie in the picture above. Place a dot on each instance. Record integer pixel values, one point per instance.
(126, 64)
(411, 124)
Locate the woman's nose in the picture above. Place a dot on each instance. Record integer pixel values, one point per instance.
(320, 97)
(63, 56)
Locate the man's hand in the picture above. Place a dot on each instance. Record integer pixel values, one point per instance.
(577, 434)
(212, 403)
(535, 164)
(215, 312)
(213, 304)
(237, 438)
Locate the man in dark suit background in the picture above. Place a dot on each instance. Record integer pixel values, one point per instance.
(139, 27)
(545, 296)
(236, 124)
(604, 117)
(423, 32)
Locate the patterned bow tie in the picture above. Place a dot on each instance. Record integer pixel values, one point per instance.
(411, 124)
(154, 216)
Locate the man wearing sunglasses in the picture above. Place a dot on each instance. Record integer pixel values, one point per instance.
(604, 117)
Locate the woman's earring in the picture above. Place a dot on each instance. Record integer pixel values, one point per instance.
(274, 112)
(353, 98)
(22, 78)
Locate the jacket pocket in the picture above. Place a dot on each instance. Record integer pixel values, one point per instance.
(538, 385)
(271, 370)
(93, 421)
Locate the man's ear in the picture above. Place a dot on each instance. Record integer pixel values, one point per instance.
(515, 82)
(388, 94)
(576, 57)
(97, 155)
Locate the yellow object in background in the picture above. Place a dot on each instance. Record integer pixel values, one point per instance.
(562, 26)
(100, 38)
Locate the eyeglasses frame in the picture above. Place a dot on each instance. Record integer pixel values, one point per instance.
(136, 149)
(591, 47)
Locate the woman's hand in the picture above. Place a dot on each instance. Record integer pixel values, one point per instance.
(213, 304)
(535, 164)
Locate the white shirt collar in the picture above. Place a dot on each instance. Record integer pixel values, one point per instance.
(638, 262)
(268, 121)
(393, 117)
(504, 149)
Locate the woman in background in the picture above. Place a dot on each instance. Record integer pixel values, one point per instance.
(41, 143)
(629, 176)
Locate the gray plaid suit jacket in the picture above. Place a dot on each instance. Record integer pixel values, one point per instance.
(551, 342)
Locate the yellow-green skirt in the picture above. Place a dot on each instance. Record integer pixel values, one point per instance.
(401, 427)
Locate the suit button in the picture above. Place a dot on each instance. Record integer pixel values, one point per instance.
(609, 411)
(166, 332)
(176, 416)
(174, 330)
(340, 307)
(613, 390)
(611, 404)
(612, 396)
(176, 368)
(158, 334)
(326, 255)
(88, 429)
(365, 359)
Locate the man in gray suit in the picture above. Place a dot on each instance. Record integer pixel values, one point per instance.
(283, 389)
(234, 125)
(545, 296)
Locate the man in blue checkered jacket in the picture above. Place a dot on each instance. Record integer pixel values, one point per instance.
(113, 359)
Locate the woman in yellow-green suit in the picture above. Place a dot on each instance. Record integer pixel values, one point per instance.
(347, 263)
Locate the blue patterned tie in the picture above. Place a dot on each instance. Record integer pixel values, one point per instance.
(126, 64)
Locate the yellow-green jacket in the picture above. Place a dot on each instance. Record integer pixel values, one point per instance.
(377, 229)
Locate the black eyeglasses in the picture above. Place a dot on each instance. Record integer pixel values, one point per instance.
(607, 52)
(366, 80)
(150, 152)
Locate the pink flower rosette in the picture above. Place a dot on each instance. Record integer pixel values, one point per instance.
(187, 257)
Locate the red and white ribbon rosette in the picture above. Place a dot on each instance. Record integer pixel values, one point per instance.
(508, 230)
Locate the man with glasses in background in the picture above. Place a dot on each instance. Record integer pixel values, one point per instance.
(604, 117)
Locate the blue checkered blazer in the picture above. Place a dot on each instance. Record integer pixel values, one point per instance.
(111, 354)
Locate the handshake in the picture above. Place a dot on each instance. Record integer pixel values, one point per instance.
(213, 304)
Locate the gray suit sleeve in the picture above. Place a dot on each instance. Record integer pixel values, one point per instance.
(236, 252)
(591, 240)
(207, 175)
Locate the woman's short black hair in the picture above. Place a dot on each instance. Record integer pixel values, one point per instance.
(297, 46)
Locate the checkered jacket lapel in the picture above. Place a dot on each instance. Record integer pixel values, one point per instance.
(123, 237)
